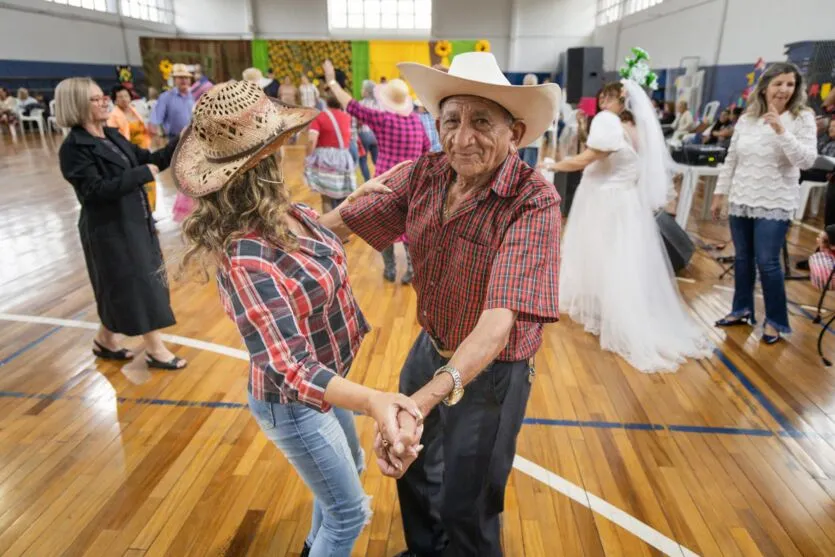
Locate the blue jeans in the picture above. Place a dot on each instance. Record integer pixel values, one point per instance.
(758, 243)
(369, 142)
(324, 449)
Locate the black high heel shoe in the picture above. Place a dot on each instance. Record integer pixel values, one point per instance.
(771, 339)
(734, 321)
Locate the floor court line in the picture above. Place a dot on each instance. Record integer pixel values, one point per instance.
(639, 529)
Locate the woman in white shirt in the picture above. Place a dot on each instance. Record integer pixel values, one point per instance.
(772, 142)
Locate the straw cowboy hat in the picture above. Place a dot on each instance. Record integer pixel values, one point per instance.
(478, 74)
(234, 126)
(394, 96)
(180, 70)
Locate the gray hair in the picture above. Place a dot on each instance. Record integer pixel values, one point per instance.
(72, 101)
(530, 79)
(368, 87)
(757, 105)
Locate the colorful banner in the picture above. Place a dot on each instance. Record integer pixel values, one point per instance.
(360, 64)
(385, 55)
(294, 58)
(261, 55)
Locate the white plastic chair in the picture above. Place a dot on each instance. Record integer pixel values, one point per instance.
(806, 188)
(35, 117)
(710, 111)
(52, 121)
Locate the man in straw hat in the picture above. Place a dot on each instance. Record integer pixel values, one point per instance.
(173, 109)
(484, 231)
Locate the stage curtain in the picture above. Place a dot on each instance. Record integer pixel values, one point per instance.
(260, 55)
(385, 55)
(360, 65)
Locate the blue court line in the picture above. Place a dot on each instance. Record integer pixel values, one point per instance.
(769, 406)
(29, 346)
(589, 424)
(774, 412)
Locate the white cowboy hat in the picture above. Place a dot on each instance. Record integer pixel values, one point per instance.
(394, 96)
(478, 74)
(234, 126)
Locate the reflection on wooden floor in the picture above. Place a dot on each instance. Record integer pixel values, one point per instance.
(732, 456)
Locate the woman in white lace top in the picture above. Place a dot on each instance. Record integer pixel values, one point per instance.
(772, 142)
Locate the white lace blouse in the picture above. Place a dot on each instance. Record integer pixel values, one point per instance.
(762, 169)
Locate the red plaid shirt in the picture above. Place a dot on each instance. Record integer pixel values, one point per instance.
(295, 311)
(500, 249)
(399, 138)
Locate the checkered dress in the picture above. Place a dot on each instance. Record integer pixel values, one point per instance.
(500, 249)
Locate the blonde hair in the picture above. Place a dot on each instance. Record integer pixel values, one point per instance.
(253, 74)
(757, 104)
(72, 101)
(256, 201)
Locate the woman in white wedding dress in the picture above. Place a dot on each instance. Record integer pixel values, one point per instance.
(616, 278)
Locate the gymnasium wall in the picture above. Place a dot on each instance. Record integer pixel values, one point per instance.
(68, 42)
(727, 36)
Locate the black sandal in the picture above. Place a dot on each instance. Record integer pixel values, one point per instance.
(734, 321)
(106, 354)
(171, 365)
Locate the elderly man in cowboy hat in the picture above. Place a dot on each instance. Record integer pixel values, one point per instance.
(484, 231)
(173, 109)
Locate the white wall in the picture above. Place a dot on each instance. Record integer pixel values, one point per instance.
(530, 40)
(545, 28)
(752, 29)
(212, 18)
(38, 31)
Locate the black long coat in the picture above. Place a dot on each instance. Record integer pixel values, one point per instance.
(117, 230)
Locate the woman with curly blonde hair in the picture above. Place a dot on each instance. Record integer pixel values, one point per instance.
(283, 280)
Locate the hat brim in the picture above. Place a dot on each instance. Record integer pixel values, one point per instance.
(191, 76)
(536, 105)
(403, 109)
(195, 175)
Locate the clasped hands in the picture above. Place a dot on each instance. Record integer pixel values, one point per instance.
(398, 425)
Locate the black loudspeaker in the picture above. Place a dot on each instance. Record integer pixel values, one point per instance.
(680, 247)
(583, 72)
(567, 183)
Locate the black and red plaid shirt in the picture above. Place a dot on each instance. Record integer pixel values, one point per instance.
(500, 249)
(295, 311)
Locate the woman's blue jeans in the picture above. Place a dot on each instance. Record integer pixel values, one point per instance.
(369, 143)
(758, 244)
(324, 449)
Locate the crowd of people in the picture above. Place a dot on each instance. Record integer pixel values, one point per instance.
(454, 178)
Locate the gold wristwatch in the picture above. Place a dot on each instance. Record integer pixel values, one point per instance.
(454, 397)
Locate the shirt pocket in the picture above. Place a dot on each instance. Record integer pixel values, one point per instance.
(469, 266)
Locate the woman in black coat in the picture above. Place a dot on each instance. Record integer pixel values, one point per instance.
(117, 230)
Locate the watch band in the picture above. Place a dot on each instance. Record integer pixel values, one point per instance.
(457, 384)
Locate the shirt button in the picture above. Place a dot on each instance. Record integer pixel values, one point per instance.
(424, 313)
(431, 283)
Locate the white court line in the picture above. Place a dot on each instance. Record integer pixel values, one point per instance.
(687, 280)
(807, 226)
(626, 521)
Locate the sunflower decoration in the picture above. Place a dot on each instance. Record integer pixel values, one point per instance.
(297, 58)
(165, 68)
(637, 69)
(444, 50)
(482, 46)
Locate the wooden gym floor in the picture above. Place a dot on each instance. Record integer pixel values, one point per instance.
(731, 456)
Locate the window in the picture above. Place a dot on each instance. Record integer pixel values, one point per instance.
(159, 11)
(98, 5)
(609, 11)
(380, 15)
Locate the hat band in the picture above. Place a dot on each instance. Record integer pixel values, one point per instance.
(252, 150)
